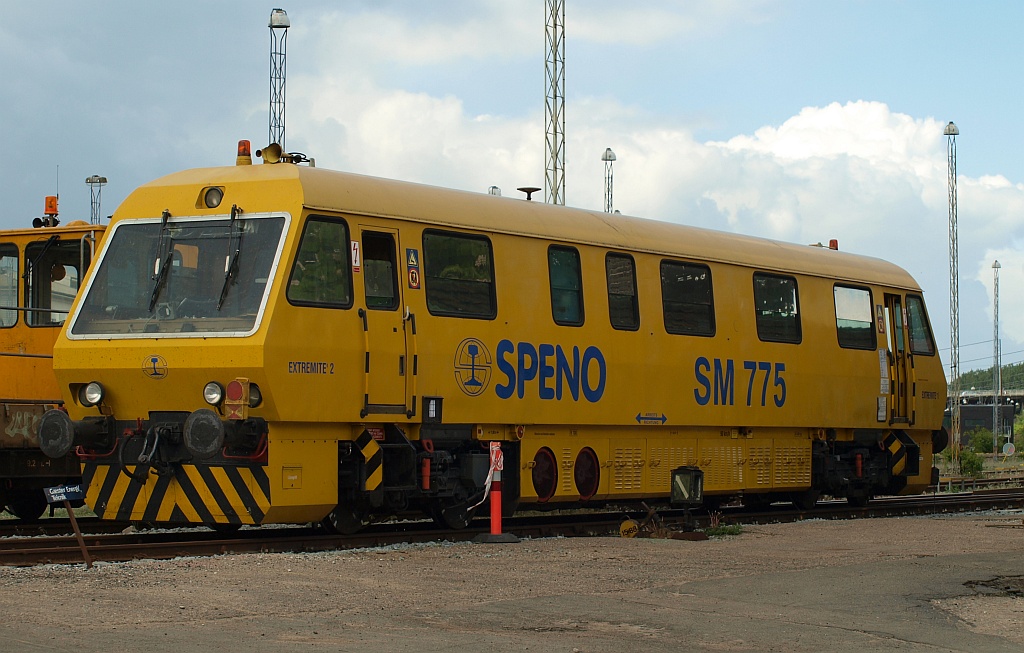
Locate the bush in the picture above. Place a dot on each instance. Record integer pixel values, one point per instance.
(971, 463)
(980, 440)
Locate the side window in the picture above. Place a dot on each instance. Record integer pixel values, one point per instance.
(921, 341)
(52, 281)
(566, 286)
(379, 273)
(8, 285)
(458, 274)
(776, 308)
(854, 322)
(623, 309)
(321, 274)
(687, 299)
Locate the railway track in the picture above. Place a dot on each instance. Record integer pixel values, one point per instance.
(35, 549)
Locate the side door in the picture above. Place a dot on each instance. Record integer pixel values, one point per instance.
(383, 316)
(900, 386)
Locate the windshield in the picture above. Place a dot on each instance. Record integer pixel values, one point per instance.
(181, 276)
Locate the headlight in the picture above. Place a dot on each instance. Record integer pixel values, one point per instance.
(213, 393)
(213, 197)
(90, 394)
(255, 396)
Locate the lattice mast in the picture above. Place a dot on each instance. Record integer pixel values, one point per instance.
(554, 105)
(951, 132)
(279, 25)
(997, 365)
(609, 160)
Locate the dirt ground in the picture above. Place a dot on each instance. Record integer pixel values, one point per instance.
(416, 597)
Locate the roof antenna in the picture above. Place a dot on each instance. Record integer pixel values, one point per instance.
(529, 190)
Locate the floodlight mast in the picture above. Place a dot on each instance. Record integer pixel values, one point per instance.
(609, 159)
(279, 25)
(554, 105)
(96, 184)
(997, 366)
(951, 132)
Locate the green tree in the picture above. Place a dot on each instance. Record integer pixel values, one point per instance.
(980, 440)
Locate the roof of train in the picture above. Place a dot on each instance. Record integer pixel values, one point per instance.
(329, 190)
(75, 226)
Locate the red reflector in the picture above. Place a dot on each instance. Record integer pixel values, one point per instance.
(234, 391)
(244, 148)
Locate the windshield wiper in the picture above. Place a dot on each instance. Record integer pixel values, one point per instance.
(165, 255)
(231, 262)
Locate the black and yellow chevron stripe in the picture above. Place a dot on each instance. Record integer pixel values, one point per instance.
(374, 457)
(897, 454)
(194, 494)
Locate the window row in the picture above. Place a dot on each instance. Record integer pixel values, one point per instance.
(458, 279)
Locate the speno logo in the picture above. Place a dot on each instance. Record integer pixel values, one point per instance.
(472, 366)
(154, 366)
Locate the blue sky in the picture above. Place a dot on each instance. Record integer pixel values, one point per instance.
(796, 120)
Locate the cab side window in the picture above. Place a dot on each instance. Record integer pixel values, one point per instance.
(776, 308)
(52, 280)
(458, 274)
(687, 299)
(566, 286)
(623, 309)
(921, 341)
(8, 285)
(321, 274)
(854, 322)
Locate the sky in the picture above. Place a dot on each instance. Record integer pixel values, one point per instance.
(796, 120)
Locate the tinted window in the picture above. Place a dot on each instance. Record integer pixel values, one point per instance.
(8, 285)
(776, 308)
(458, 273)
(623, 310)
(379, 280)
(566, 286)
(854, 322)
(52, 280)
(322, 274)
(920, 334)
(687, 299)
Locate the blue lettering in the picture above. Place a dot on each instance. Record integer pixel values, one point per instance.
(504, 391)
(700, 369)
(527, 352)
(565, 371)
(592, 393)
(547, 371)
(723, 382)
(553, 369)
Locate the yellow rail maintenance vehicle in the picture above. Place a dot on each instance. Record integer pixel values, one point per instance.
(281, 343)
(40, 272)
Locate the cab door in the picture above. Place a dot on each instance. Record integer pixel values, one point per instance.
(900, 387)
(384, 323)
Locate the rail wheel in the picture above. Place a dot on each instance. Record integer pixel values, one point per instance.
(806, 500)
(858, 500)
(455, 516)
(26, 505)
(346, 519)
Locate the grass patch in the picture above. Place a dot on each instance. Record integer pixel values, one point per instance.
(723, 530)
